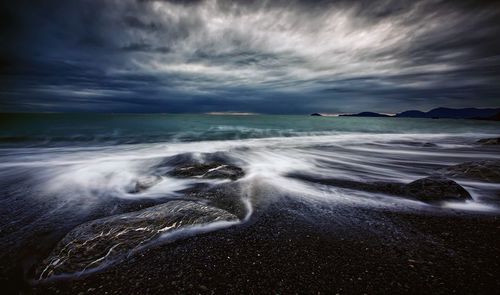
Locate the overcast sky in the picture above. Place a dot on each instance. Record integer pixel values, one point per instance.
(248, 56)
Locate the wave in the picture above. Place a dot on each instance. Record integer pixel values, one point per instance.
(95, 172)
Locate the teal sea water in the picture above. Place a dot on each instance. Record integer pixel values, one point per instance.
(51, 129)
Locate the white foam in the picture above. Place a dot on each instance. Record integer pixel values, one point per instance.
(471, 206)
(94, 173)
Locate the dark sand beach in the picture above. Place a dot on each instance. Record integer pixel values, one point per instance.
(284, 250)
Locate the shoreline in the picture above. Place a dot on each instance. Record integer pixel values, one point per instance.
(358, 215)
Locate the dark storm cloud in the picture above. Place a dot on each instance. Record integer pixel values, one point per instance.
(257, 56)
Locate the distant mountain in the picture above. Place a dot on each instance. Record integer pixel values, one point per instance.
(449, 113)
(412, 114)
(445, 113)
(365, 114)
(462, 113)
(316, 115)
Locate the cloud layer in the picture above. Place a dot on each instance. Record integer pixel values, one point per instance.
(256, 56)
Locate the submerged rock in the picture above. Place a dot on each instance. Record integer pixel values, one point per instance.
(144, 183)
(209, 170)
(414, 143)
(435, 189)
(488, 170)
(101, 242)
(429, 144)
(489, 141)
(377, 187)
(430, 189)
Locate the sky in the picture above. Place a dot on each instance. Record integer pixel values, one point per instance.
(279, 57)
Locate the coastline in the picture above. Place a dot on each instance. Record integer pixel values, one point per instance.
(316, 209)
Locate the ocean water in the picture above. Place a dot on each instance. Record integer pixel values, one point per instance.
(107, 129)
(59, 170)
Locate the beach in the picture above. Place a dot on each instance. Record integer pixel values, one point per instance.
(248, 203)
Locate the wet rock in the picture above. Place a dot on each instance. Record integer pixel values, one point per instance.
(414, 143)
(225, 171)
(489, 141)
(435, 189)
(488, 171)
(429, 189)
(205, 165)
(209, 170)
(105, 241)
(429, 144)
(226, 196)
(377, 187)
(144, 183)
(185, 159)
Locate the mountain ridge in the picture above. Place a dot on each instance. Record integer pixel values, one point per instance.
(437, 113)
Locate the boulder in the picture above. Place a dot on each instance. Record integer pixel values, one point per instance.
(429, 144)
(489, 141)
(227, 196)
(376, 187)
(435, 189)
(96, 244)
(414, 143)
(430, 189)
(208, 170)
(203, 165)
(487, 171)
